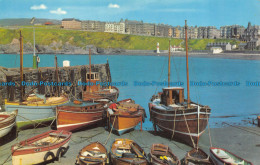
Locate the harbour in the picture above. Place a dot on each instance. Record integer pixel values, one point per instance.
(71, 109)
(238, 140)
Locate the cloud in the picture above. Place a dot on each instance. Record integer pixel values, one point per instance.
(58, 11)
(113, 6)
(40, 7)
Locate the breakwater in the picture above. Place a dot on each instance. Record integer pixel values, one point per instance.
(44, 80)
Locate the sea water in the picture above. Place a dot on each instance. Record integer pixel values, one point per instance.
(229, 86)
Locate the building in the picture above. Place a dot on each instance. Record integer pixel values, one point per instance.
(222, 45)
(216, 50)
(253, 44)
(251, 32)
(242, 46)
(233, 31)
(115, 27)
(94, 26)
(134, 27)
(149, 29)
(71, 23)
(48, 23)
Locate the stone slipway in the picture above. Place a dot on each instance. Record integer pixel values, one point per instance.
(243, 141)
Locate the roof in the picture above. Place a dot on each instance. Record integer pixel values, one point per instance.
(172, 88)
(71, 19)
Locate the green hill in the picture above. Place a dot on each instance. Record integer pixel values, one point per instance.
(46, 36)
(26, 21)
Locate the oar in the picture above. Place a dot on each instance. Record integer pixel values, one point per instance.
(138, 152)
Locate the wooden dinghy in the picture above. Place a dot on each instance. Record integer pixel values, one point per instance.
(163, 155)
(73, 117)
(125, 115)
(197, 157)
(41, 148)
(127, 152)
(7, 122)
(221, 156)
(93, 154)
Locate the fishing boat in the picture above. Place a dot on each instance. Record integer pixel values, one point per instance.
(72, 117)
(93, 154)
(127, 152)
(221, 156)
(42, 148)
(95, 90)
(33, 108)
(125, 115)
(182, 119)
(7, 122)
(163, 155)
(197, 157)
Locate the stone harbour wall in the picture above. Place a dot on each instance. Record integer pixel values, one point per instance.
(69, 76)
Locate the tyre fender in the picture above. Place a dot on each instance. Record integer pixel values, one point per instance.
(47, 155)
(61, 151)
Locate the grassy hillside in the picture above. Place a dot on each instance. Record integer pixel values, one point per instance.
(45, 36)
(25, 21)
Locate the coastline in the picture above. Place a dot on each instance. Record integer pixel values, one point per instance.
(232, 55)
(238, 141)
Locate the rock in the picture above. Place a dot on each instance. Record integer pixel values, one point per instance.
(93, 48)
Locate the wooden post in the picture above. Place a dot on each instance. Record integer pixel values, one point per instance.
(57, 77)
(89, 70)
(187, 65)
(169, 64)
(21, 66)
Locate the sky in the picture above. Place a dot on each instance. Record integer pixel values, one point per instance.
(173, 12)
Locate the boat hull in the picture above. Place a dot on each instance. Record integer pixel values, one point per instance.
(197, 157)
(158, 150)
(117, 158)
(124, 123)
(37, 157)
(183, 125)
(73, 119)
(7, 123)
(218, 161)
(26, 152)
(96, 148)
(29, 115)
(4, 131)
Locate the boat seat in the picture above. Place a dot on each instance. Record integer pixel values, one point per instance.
(58, 135)
(128, 155)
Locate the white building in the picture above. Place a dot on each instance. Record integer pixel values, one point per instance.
(216, 50)
(115, 27)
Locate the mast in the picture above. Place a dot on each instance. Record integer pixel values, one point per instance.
(21, 66)
(89, 69)
(187, 65)
(57, 77)
(169, 64)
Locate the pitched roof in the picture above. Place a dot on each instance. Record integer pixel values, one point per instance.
(71, 19)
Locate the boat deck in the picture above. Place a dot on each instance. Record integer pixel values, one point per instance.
(240, 142)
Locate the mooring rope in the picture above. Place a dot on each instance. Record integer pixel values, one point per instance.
(173, 131)
(254, 132)
(210, 138)
(111, 129)
(188, 129)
